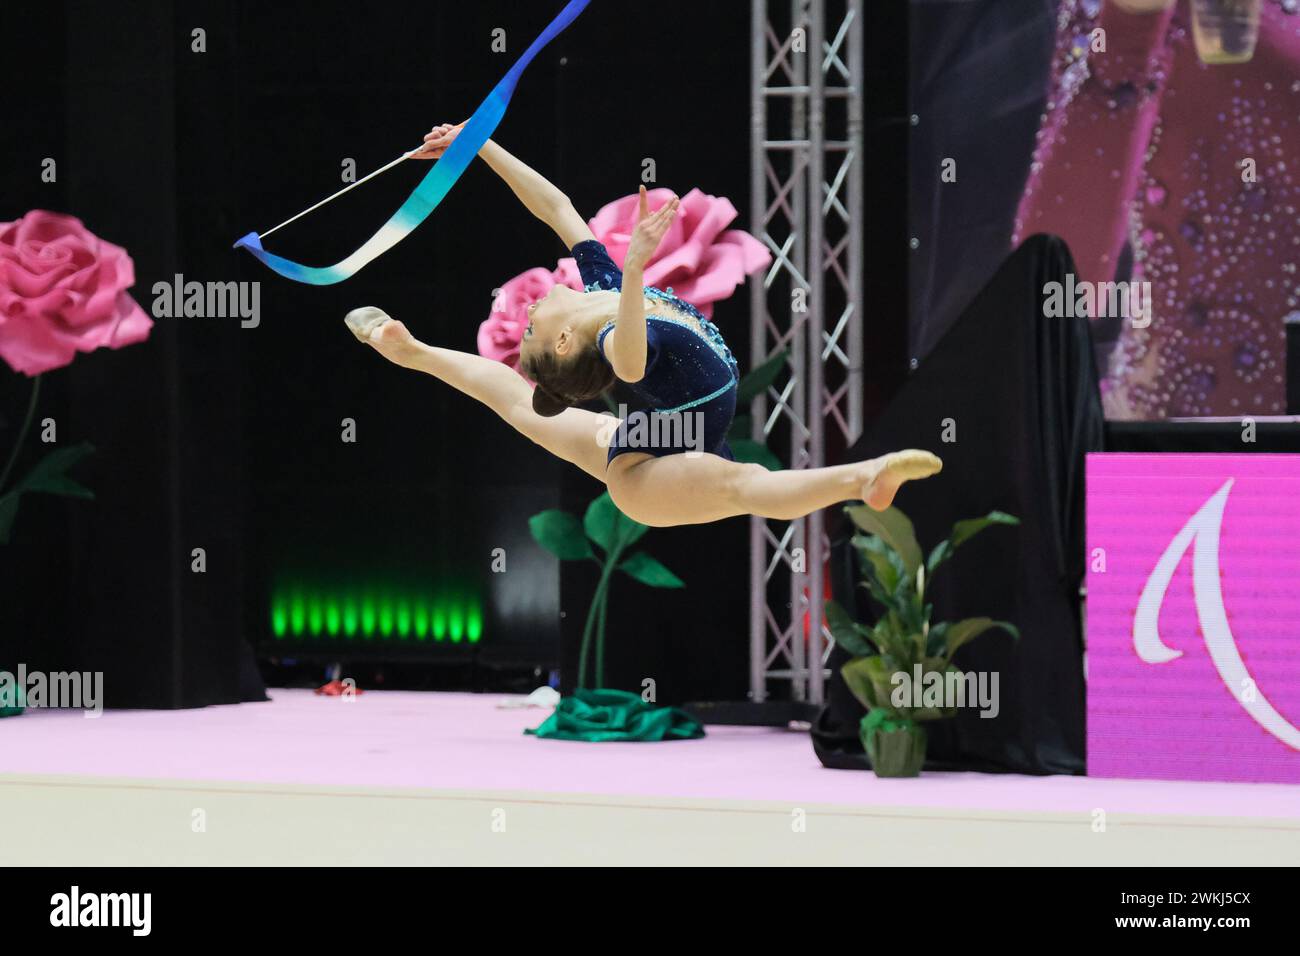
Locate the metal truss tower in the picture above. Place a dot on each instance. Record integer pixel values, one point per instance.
(806, 205)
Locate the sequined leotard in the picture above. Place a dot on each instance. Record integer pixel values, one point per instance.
(687, 396)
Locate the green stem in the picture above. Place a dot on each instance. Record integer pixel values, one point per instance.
(585, 651)
(600, 637)
(22, 434)
(586, 639)
(611, 562)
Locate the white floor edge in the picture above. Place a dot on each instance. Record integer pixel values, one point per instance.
(67, 820)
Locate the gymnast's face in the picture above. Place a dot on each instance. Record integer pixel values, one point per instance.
(551, 326)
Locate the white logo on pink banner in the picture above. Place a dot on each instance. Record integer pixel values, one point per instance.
(1194, 616)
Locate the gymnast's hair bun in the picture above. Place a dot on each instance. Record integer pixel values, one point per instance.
(547, 404)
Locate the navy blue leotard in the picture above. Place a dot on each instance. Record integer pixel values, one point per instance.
(687, 397)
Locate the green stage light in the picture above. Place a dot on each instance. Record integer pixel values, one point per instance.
(297, 615)
(369, 613)
(379, 611)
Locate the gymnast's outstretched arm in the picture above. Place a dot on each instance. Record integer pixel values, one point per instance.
(538, 194)
(626, 346)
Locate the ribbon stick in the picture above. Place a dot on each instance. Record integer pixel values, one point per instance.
(382, 169)
(435, 185)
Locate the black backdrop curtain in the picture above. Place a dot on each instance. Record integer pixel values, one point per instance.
(1021, 392)
(111, 585)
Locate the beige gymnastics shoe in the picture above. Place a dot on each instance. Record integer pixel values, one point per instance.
(886, 474)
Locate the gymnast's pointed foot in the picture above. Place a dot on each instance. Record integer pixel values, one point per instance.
(384, 334)
(365, 320)
(884, 475)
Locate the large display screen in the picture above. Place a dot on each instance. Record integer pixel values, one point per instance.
(1193, 616)
(1159, 139)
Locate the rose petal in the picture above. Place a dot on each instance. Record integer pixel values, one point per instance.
(63, 290)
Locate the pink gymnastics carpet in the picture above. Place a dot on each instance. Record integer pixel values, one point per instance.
(467, 742)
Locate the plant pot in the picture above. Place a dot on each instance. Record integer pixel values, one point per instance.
(896, 749)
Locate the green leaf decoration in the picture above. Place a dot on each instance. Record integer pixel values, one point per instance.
(63, 485)
(890, 636)
(649, 571)
(609, 527)
(601, 521)
(963, 632)
(847, 633)
(857, 677)
(894, 527)
(872, 584)
(560, 533)
(8, 511)
(48, 476)
(877, 590)
(907, 603)
(50, 473)
(881, 670)
(932, 713)
(755, 452)
(963, 531)
(941, 553)
(920, 637)
(935, 665)
(877, 557)
(754, 382)
(935, 640)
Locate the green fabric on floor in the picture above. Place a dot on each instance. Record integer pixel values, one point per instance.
(12, 698)
(597, 715)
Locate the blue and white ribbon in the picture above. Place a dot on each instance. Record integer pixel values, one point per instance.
(436, 183)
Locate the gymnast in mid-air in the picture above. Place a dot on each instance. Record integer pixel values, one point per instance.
(672, 358)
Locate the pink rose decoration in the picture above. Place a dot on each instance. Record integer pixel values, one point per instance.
(700, 259)
(63, 291)
(566, 273)
(500, 335)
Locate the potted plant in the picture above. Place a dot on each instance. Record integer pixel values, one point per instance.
(903, 643)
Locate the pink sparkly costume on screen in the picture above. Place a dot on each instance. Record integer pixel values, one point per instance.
(1145, 144)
